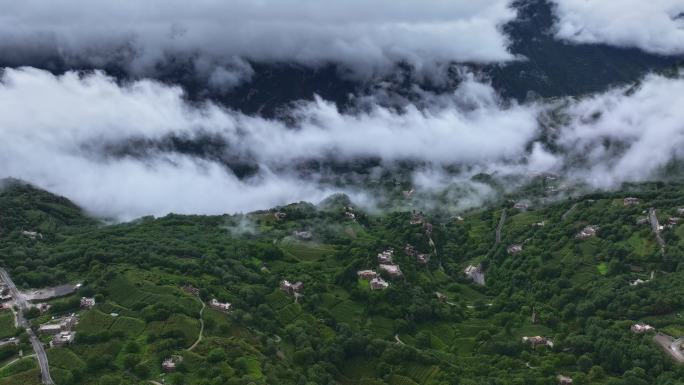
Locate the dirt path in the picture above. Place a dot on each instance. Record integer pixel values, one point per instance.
(396, 338)
(201, 320)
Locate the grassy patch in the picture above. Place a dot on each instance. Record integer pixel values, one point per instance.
(602, 268)
(7, 328)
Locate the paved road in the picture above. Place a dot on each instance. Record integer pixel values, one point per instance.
(22, 304)
(655, 226)
(671, 346)
(565, 214)
(500, 226)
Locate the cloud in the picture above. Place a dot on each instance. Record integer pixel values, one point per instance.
(655, 26)
(626, 134)
(57, 132)
(219, 37)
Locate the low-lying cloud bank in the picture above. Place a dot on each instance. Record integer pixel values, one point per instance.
(57, 133)
(220, 37)
(655, 26)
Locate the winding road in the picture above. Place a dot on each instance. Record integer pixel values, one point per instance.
(22, 305)
(500, 226)
(655, 226)
(201, 320)
(671, 346)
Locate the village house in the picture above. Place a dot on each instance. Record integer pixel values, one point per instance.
(279, 215)
(169, 364)
(291, 288)
(514, 249)
(378, 283)
(410, 250)
(392, 270)
(43, 307)
(539, 224)
(641, 328)
(68, 323)
(680, 211)
(386, 256)
(63, 338)
(428, 228)
(303, 235)
(672, 221)
(350, 215)
(563, 380)
(87, 302)
(521, 206)
(220, 306)
(537, 340)
(366, 274)
(423, 259)
(50, 329)
(630, 201)
(587, 232)
(32, 234)
(417, 218)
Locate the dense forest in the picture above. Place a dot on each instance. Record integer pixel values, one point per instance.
(575, 287)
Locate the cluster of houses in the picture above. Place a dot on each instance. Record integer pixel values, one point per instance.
(421, 258)
(537, 341)
(587, 232)
(417, 218)
(376, 282)
(61, 330)
(349, 213)
(387, 265)
(522, 206)
(630, 201)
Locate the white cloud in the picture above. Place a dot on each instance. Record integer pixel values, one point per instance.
(365, 36)
(655, 26)
(626, 135)
(54, 129)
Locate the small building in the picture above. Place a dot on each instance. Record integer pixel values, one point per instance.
(475, 273)
(5, 297)
(428, 228)
(50, 329)
(87, 302)
(191, 290)
(220, 306)
(417, 218)
(521, 206)
(32, 234)
(672, 221)
(641, 328)
(43, 307)
(169, 364)
(378, 283)
(68, 323)
(392, 270)
(587, 232)
(291, 288)
(63, 338)
(440, 297)
(366, 274)
(514, 249)
(630, 201)
(386, 256)
(303, 235)
(410, 250)
(563, 380)
(279, 215)
(423, 259)
(537, 340)
(350, 215)
(539, 224)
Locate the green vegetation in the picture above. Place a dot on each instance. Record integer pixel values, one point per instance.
(340, 331)
(7, 328)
